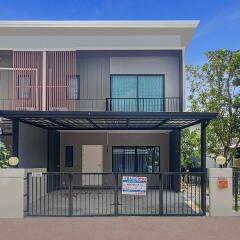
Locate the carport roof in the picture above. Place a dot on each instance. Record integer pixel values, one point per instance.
(69, 120)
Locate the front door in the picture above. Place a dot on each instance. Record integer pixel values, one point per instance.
(92, 162)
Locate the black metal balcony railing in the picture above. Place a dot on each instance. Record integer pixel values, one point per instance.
(168, 104)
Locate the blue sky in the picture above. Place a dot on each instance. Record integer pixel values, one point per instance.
(219, 27)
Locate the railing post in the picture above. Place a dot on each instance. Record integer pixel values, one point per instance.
(70, 200)
(116, 194)
(107, 105)
(28, 193)
(203, 193)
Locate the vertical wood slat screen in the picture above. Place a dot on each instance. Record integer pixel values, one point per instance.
(27, 80)
(61, 69)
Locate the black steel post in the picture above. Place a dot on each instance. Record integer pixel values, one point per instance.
(203, 167)
(15, 137)
(175, 158)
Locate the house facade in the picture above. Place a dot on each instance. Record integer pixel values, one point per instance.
(96, 96)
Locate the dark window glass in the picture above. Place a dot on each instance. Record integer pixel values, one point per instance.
(69, 156)
(136, 159)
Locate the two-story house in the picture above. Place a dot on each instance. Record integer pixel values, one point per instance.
(96, 96)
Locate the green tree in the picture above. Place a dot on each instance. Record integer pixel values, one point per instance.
(215, 87)
(4, 154)
(190, 148)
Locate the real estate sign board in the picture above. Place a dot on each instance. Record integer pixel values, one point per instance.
(134, 185)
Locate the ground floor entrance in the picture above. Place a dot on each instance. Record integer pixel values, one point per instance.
(102, 194)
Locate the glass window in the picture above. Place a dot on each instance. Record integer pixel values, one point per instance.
(150, 92)
(24, 87)
(124, 87)
(136, 159)
(69, 156)
(143, 93)
(74, 88)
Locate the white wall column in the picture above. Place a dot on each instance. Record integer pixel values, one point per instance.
(44, 81)
(12, 193)
(220, 199)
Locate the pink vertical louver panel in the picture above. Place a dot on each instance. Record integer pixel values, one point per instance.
(61, 67)
(27, 80)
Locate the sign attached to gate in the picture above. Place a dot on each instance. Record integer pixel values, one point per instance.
(134, 185)
(37, 174)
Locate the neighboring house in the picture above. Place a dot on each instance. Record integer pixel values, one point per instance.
(97, 96)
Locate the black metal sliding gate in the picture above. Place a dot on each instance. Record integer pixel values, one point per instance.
(100, 194)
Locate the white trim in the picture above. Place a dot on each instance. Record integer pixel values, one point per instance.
(91, 48)
(20, 69)
(100, 24)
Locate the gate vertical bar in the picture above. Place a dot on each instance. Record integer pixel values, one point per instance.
(27, 193)
(203, 167)
(70, 200)
(116, 194)
(235, 177)
(160, 177)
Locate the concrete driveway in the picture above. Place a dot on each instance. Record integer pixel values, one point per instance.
(110, 228)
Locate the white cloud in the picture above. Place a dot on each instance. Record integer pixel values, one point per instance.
(223, 19)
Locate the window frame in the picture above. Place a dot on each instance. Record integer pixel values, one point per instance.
(136, 157)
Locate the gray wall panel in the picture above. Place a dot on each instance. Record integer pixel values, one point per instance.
(33, 150)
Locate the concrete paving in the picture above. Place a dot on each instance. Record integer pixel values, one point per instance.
(111, 228)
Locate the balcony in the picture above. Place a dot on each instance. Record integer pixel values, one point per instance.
(170, 104)
(167, 104)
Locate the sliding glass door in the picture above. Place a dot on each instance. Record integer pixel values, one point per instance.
(136, 159)
(124, 93)
(137, 93)
(150, 93)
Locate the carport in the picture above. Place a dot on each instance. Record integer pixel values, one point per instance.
(175, 122)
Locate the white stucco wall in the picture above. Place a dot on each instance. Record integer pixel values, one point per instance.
(89, 42)
(12, 193)
(96, 34)
(221, 200)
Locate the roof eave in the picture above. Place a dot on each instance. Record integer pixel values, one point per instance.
(101, 24)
